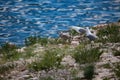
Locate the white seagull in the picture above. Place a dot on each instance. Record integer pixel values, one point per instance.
(78, 29)
(90, 35)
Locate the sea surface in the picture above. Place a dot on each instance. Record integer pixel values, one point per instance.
(22, 18)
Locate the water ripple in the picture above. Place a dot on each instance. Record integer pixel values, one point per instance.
(22, 18)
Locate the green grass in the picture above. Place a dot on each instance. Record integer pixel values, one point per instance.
(116, 52)
(6, 68)
(47, 78)
(107, 65)
(8, 52)
(83, 55)
(51, 59)
(116, 70)
(36, 39)
(89, 72)
(111, 32)
(106, 78)
(31, 40)
(43, 41)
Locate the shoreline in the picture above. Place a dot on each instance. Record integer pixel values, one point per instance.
(75, 58)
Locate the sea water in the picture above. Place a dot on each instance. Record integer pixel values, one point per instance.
(22, 18)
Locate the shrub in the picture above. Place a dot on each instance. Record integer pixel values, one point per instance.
(47, 78)
(116, 70)
(89, 72)
(106, 78)
(6, 68)
(51, 59)
(76, 78)
(84, 55)
(31, 40)
(28, 52)
(9, 51)
(110, 33)
(7, 47)
(36, 39)
(116, 52)
(107, 65)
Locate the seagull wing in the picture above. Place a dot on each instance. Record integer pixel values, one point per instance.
(79, 29)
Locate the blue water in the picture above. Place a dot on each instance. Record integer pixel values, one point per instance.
(22, 18)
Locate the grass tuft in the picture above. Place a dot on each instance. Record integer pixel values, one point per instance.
(110, 33)
(89, 72)
(116, 70)
(51, 59)
(84, 55)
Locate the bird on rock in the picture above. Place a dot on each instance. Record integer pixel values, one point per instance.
(90, 35)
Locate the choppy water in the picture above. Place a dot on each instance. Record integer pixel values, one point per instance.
(22, 18)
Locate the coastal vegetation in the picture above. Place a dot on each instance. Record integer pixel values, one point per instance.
(117, 70)
(89, 71)
(84, 55)
(51, 59)
(110, 33)
(60, 59)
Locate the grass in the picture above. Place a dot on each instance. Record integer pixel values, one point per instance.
(51, 59)
(106, 78)
(107, 65)
(36, 39)
(84, 55)
(76, 78)
(43, 41)
(110, 33)
(8, 52)
(89, 72)
(116, 52)
(6, 68)
(28, 52)
(47, 78)
(116, 70)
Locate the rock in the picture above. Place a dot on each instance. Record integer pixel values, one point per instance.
(75, 43)
(68, 61)
(38, 49)
(13, 73)
(26, 76)
(65, 35)
(35, 78)
(21, 49)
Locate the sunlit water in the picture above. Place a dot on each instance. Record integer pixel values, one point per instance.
(22, 18)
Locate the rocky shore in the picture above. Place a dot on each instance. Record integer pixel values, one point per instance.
(33, 63)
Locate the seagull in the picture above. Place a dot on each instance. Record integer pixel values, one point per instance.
(90, 35)
(78, 29)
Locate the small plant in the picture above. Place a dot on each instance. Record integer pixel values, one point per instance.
(8, 51)
(51, 58)
(85, 55)
(76, 78)
(110, 33)
(5, 68)
(107, 65)
(116, 52)
(31, 40)
(106, 78)
(47, 78)
(7, 47)
(36, 39)
(116, 70)
(28, 52)
(89, 72)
